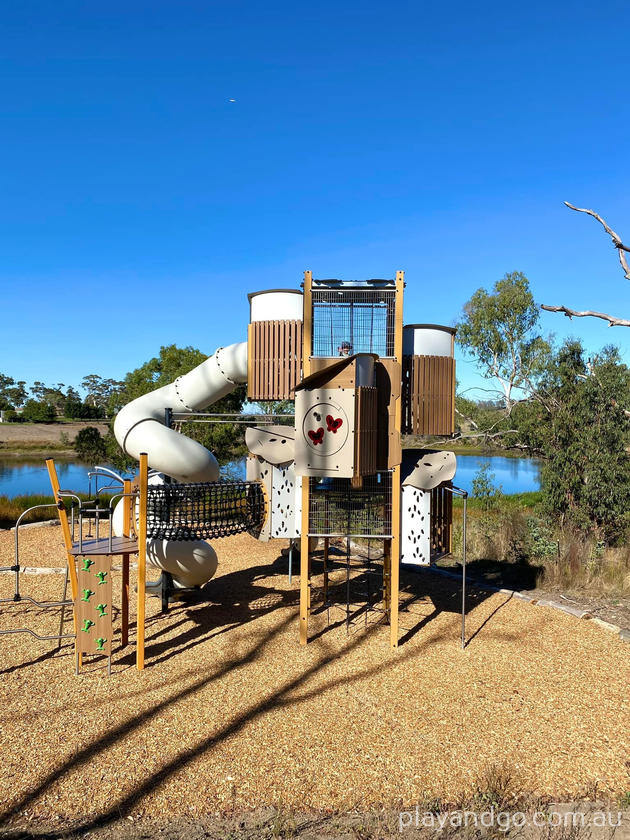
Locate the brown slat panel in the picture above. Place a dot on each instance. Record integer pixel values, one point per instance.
(259, 344)
(428, 395)
(276, 359)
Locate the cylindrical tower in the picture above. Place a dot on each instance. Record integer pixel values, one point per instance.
(428, 406)
(274, 343)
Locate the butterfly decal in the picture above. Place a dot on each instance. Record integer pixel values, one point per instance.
(316, 437)
(333, 424)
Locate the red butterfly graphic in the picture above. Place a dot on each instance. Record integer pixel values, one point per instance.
(333, 424)
(316, 437)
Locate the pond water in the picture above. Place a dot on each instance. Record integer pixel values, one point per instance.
(20, 476)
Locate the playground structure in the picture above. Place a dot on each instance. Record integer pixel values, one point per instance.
(359, 379)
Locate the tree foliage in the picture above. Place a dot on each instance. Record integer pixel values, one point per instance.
(499, 329)
(89, 445)
(36, 411)
(579, 425)
(101, 393)
(12, 394)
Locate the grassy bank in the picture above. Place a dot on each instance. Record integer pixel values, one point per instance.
(35, 449)
(12, 508)
(511, 543)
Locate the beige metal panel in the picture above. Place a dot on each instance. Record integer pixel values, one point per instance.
(273, 443)
(324, 432)
(426, 469)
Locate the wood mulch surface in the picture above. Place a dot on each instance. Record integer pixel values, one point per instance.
(232, 714)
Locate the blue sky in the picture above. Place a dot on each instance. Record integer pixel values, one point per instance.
(139, 205)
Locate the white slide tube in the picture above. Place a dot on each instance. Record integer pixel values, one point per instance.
(139, 426)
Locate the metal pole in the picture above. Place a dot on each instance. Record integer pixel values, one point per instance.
(464, 575)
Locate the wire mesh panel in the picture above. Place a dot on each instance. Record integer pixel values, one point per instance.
(353, 320)
(337, 509)
(204, 511)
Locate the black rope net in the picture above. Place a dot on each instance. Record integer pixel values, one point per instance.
(204, 511)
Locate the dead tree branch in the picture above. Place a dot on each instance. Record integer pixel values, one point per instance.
(614, 236)
(587, 313)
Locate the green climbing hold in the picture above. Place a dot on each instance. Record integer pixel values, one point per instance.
(100, 642)
(101, 610)
(87, 562)
(101, 577)
(87, 594)
(87, 623)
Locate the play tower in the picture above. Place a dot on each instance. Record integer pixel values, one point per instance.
(360, 379)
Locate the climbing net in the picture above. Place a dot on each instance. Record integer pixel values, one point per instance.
(204, 511)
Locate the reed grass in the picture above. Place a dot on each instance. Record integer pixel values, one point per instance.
(12, 508)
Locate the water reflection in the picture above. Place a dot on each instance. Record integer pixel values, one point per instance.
(20, 476)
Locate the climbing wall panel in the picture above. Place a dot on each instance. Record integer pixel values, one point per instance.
(93, 605)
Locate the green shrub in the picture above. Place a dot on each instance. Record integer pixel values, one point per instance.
(89, 444)
(484, 489)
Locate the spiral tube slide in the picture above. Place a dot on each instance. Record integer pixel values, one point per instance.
(139, 426)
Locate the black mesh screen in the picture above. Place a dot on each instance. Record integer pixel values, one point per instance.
(204, 511)
(339, 509)
(347, 321)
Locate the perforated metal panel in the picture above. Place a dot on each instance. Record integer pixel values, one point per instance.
(415, 535)
(283, 498)
(284, 491)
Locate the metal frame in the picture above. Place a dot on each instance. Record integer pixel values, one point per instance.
(457, 491)
(19, 598)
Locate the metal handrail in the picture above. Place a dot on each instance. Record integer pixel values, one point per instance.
(457, 491)
(132, 495)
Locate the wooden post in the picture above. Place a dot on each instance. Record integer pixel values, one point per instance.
(396, 488)
(65, 526)
(124, 601)
(67, 539)
(305, 566)
(142, 559)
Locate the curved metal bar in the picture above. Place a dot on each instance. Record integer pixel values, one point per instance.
(17, 543)
(44, 605)
(112, 473)
(36, 635)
